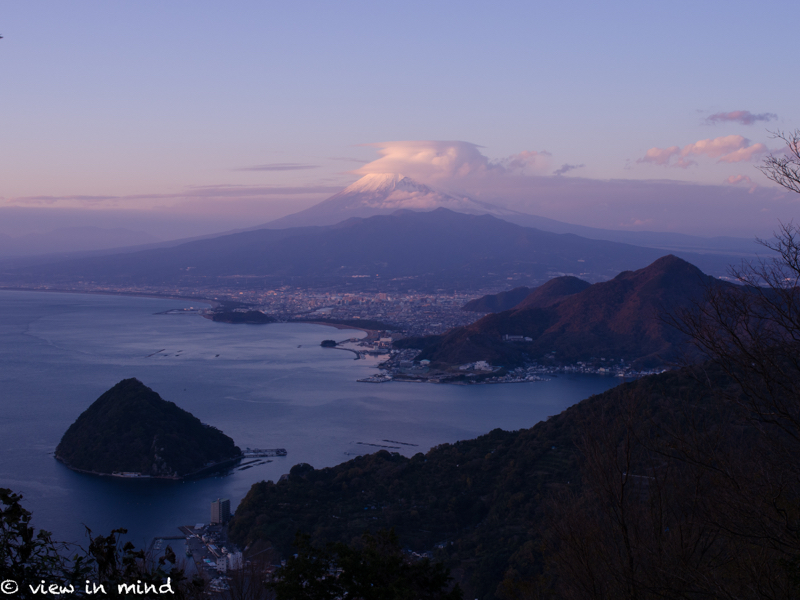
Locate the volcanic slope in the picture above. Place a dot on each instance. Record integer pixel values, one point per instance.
(434, 249)
(616, 319)
(384, 193)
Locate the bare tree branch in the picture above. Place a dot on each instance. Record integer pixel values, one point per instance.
(785, 170)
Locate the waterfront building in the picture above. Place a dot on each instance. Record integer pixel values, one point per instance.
(220, 511)
(235, 561)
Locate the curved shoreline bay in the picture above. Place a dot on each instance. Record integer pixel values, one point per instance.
(269, 386)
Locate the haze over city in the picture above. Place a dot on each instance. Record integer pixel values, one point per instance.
(181, 119)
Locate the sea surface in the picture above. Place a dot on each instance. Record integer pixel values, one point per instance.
(267, 386)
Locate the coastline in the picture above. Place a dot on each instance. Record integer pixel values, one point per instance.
(337, 326)
(194, 474)
(212, 303)
(209, 301)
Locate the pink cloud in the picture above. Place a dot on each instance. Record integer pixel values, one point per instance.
(660, 156)
(427, 159)
(716, 147)
(745, 117)
(729, 149)
(744, 154)
(742, 179)
(430, 160)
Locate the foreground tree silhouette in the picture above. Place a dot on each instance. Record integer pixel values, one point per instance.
(785, 170)
(693, 490)
(675, 500)
(375, 569)
(752, 331)
(28, 556)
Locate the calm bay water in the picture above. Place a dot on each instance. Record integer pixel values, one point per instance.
(264, 385)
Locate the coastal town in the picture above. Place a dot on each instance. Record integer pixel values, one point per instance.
(401, 366)
(386, 317)
(413, 313)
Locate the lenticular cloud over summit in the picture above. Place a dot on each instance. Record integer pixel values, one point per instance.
(429, 160)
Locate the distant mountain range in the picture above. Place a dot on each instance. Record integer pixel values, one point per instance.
(567, 320)
(418, 250)
(72, 239)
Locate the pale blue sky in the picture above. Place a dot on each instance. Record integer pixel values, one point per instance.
(148, 98)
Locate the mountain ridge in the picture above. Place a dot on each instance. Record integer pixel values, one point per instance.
(615, 319)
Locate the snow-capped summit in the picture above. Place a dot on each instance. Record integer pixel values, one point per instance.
(381, 194)
(384, 182)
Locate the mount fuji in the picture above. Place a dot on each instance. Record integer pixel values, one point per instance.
(383, 194)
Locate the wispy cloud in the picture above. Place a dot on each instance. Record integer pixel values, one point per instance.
(729, 149)
(347, 159)
(210, 191)
(565, 168)
(237, 191)
(527, 159)
(50, 200)
(744, 117)
(279, 167)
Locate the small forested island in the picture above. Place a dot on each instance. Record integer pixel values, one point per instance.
(130, 431)
(328, 343)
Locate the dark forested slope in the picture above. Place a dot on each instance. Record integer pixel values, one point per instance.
(497, 302)
(477, 504)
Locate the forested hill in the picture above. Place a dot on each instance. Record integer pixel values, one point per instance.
(130, 428)
(497, 302)
(544, 295)
(479, 504)
(616, 319)
(551, 292)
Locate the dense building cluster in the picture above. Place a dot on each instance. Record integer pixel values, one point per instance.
(412, 313)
